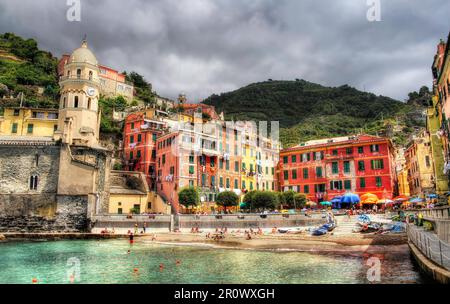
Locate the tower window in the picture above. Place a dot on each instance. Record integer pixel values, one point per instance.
(64, 102)
(33, 182)
(68, 73)
(75, 102)
(89, 103)
(90, 75)
(79, 73)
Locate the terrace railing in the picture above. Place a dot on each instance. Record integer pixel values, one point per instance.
(430, 245)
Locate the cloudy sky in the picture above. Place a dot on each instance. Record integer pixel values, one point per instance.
(201, 47)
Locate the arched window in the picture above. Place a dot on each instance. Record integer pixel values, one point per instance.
(75, 102)
(79, 73)
(64, 102)
(90, 75)
(89, 104)
(33, 182)
(68, 73)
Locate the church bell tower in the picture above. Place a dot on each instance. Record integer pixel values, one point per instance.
(79, 121)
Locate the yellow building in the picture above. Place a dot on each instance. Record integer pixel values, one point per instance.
(419, 165)
(403, 185)
(22, 121)
(126, 199)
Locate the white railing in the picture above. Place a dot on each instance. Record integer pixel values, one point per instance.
(430, 245)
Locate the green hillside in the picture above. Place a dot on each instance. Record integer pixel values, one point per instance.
(24, 68)
(307, 110)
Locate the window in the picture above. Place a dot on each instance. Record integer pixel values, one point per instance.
(90, 75)
(374, 148)
(360, 150)
(30, 128)
(349, 151)
(362, 182)
(346, 167)
(251, 186)
(236, 167)
(306, 157)
(203, 180)
(138, 154)
(78, 73)
(213, 181)
(163, 159)
(33, 182)
(273, 171)
(228, 183)
(377, 164)
(306, 189)
(131, 154)
(119, 210)
(361, 166)
(336, 185)
(212, 163)
(305, 173)
(131, 139)
(335, 152)
(75, 102)
(318, 171)
(227, 165)
(139, 139)
(16, 112)
(154, 136)
(221, 164)
(40, 115)
(89, 104)
(273, 186)
(286, 175)
(236, 184)
(191, 169)
(221, 182)
(347, 185)
(14, 128)
(64, 102)
(378, 181)
(191, 159)
(427, 161)
(285, 159)
(335, 167)
(294, 158)
(191, 183)
(52, 115)
(294, 174)
(243, 184)
(36, 160)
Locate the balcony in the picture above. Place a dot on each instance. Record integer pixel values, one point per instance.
(79, 79)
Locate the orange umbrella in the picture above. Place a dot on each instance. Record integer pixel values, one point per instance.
(370, 201)
(368, 196)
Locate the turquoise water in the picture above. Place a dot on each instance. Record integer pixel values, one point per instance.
(108, 261)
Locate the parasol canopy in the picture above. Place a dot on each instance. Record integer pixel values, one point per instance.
(336, 199)
(350, 198)
(369, 196)
(326, 203)
(370, 201)
(416, 200)
(310, 203)
(401, 198)
(385, 201)
(432, 195)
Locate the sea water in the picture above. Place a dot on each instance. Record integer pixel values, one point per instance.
(116, 261)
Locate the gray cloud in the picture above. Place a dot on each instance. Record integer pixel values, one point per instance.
(202, 47)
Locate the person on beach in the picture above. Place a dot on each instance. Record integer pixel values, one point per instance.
(145, 226)
(135, 228)
(131, 237)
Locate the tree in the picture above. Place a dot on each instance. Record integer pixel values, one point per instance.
(265, 200)
(248, 200)
(300, 200)
(288, 199)
(227, 199)
(189, 197)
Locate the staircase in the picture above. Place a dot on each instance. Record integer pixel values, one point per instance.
(345, 225)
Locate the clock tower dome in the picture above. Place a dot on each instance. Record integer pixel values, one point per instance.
(79, 120)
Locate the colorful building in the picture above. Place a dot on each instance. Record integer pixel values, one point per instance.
(419, 165)
(141, 129)
(22, 121)
(437, 116)
(323, 169)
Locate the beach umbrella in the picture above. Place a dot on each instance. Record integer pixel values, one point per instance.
(326, 203)
(350, 198)
(242, 205)
(385, 201)
(370, 201)
(336, 199)
(368, 195)
(310, 203)
(401, 198)
(416, 200)
(432, 195)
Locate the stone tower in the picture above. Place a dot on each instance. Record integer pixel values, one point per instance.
(79, 119)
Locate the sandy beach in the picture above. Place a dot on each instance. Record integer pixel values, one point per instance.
(372, 243)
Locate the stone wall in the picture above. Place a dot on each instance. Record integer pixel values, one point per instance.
(43, 213)
(19, 163)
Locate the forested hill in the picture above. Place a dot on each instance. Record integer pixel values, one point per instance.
(307, 110)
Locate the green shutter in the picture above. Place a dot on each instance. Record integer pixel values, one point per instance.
(362, 182)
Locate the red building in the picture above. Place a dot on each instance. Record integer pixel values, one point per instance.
(141, 130)
(326, 168)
